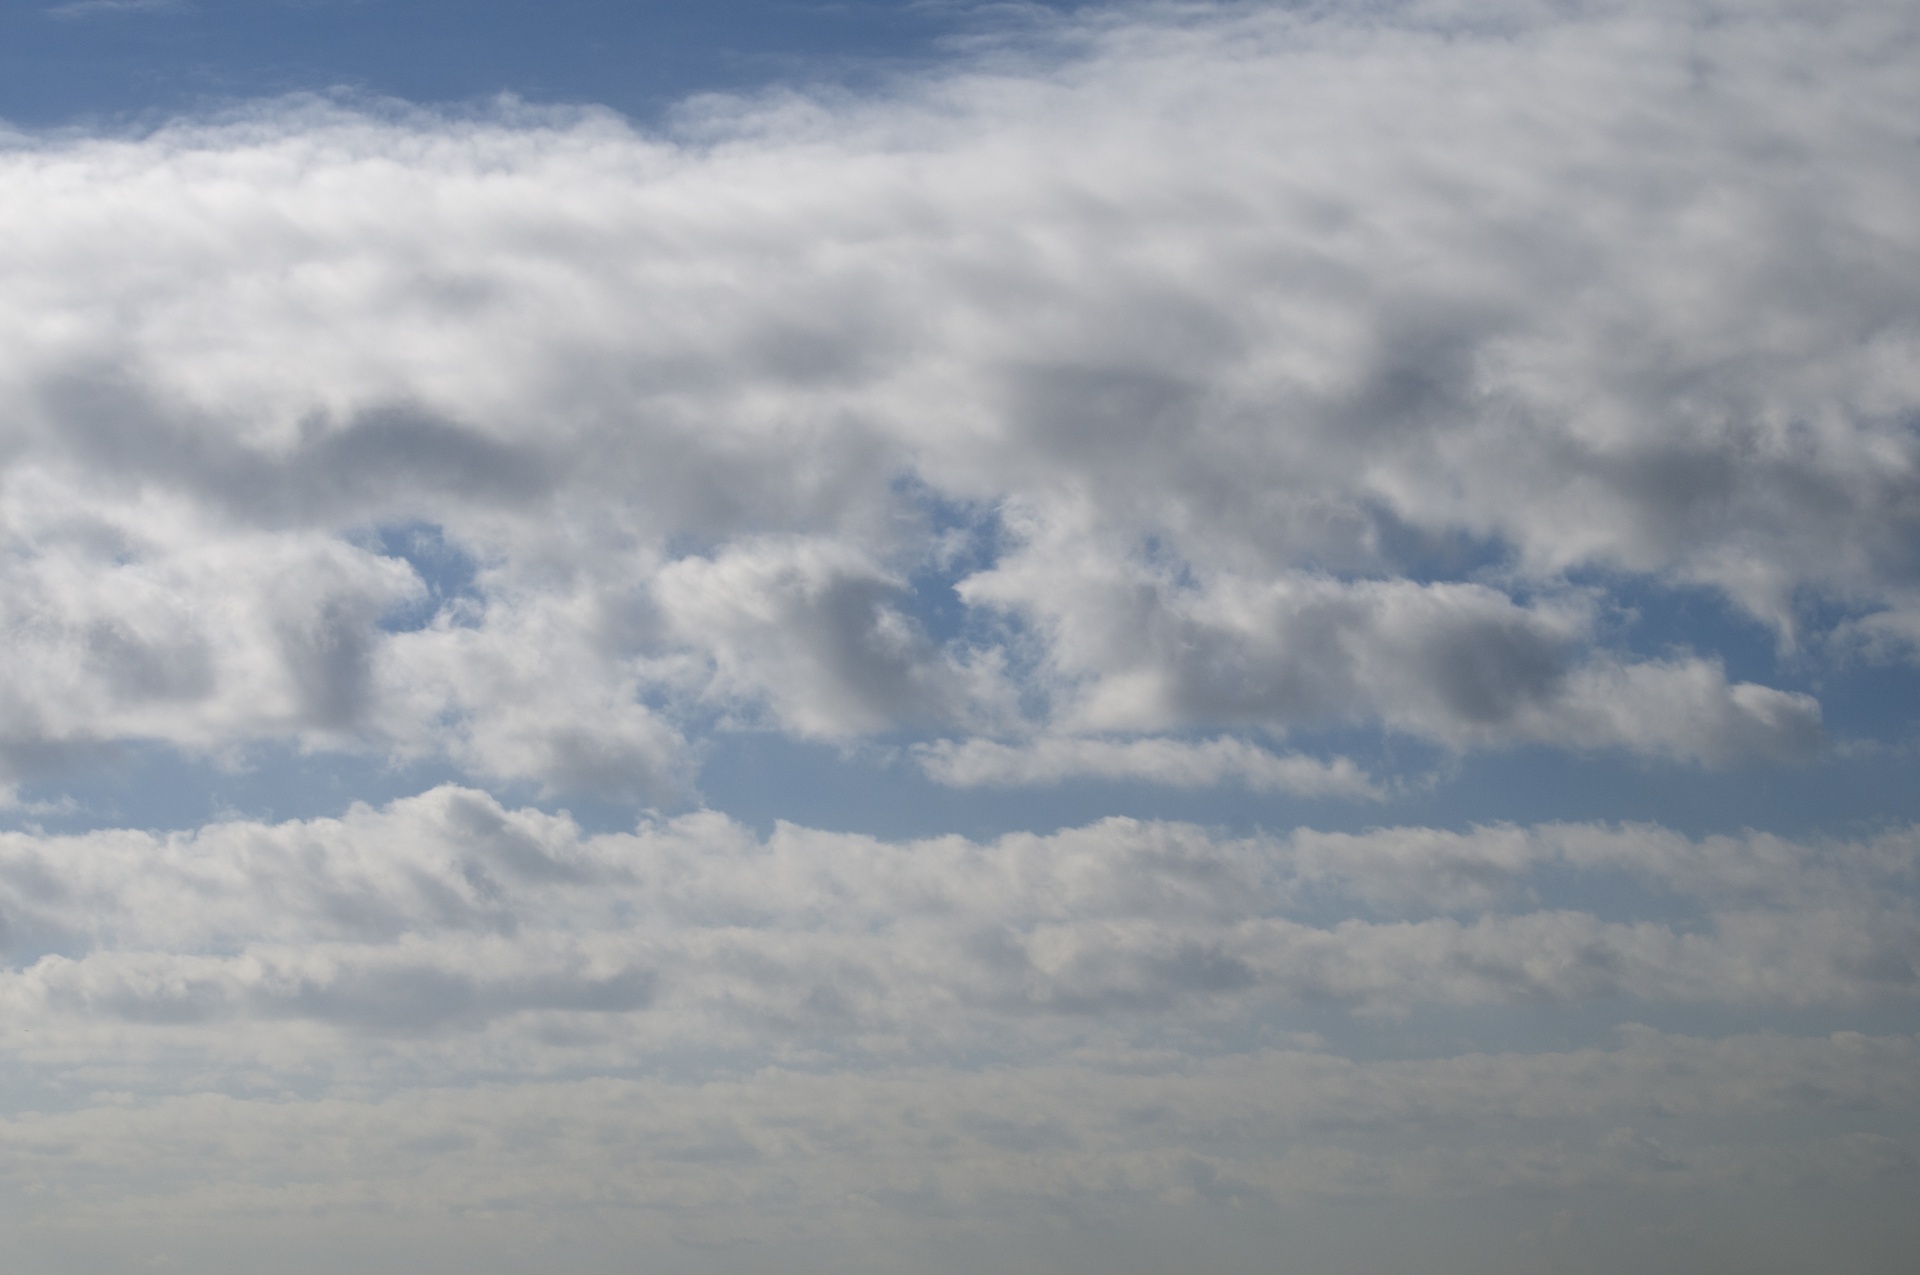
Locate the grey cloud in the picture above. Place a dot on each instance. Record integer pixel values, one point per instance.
(1489, 672)
(27, 752)
(423, 998)
(392, 992)
(391, 454)
(603, 765)
(818, 632)
(383, 458)
(871, 1162)
(331, 657)
(138, 669)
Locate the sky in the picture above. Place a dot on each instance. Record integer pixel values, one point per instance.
(950, 638)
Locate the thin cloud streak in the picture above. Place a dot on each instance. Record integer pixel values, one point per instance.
(1204, 764)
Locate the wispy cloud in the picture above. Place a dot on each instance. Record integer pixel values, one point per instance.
(100, 8)
(977, 763)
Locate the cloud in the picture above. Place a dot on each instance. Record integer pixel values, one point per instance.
(1302, 364)
(817, 630)
(437, 974)
(1087, 408)
(907, 1162)
(1458, 663)
(445, 933)
(984, 763)
(434, 976)
(95, 8)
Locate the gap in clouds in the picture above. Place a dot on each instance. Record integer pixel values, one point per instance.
(153, 786)
(959, 538)
(1867, 695)
(875, 788)
(761, 777)
(880, 789)
(448, 571)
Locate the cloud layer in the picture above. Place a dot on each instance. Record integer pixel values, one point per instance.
(690, 1034)
(446, 936)
(1207, 397)
(1223, 369)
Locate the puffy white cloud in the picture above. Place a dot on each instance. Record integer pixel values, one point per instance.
(816, 629)
(1300, 359)
(1461, 663)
